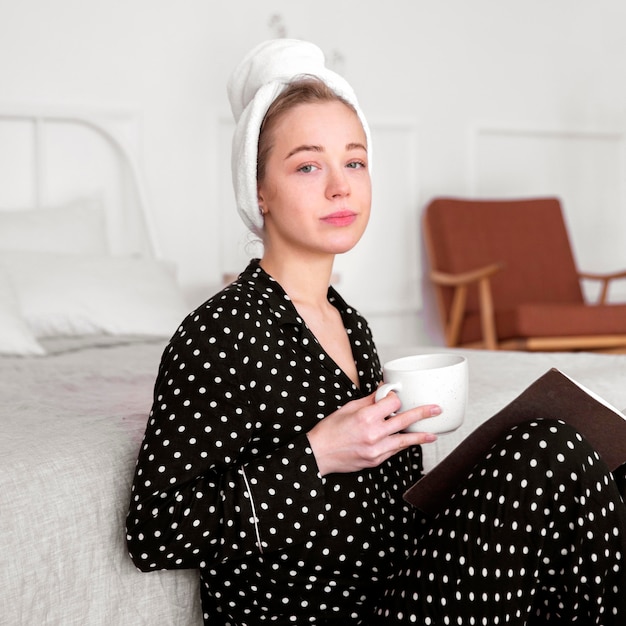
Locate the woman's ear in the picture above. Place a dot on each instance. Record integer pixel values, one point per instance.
(262, 209)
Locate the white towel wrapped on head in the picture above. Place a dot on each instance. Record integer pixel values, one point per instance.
(254, 85)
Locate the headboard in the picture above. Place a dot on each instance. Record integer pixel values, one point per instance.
(52, 158)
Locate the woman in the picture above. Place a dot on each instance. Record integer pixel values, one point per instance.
(266, 462)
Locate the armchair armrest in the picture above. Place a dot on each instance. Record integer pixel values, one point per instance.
(460, 282)
(446, 279)
(605, 279)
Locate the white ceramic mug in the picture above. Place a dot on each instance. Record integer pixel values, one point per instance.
(421, 379)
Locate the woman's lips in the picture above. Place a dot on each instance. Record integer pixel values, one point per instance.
(340, 218)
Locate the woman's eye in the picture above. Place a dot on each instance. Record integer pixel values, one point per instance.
(356, 164)
(307, 168)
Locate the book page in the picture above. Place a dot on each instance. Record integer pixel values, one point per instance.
(595, 396)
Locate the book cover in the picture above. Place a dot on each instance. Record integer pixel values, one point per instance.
(552, 396)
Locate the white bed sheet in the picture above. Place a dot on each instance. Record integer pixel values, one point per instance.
(71, 424)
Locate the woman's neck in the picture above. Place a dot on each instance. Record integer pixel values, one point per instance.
(305, 281)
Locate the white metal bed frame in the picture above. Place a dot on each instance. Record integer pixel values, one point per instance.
(99, 124)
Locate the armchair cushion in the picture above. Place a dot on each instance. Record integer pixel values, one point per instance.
(550, 320)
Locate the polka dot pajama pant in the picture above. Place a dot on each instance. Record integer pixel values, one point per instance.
(535, 535)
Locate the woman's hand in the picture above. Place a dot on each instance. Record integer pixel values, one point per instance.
(364, 433)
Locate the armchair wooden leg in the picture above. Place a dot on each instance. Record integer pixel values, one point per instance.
(487, 318)
(457, 312)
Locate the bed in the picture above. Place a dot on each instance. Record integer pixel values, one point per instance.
(86, 307)
(83, 321)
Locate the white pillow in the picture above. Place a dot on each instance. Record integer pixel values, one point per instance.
(63, 294)
(75, 228)
(15, 335)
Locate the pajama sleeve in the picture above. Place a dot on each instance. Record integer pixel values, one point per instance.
(212, 482)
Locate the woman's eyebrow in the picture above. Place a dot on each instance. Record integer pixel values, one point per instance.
(356, 146)
(314, 148)
(305, 148)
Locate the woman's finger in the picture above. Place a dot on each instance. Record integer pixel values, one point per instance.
(400, 421)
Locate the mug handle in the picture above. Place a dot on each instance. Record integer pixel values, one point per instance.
(384, 390)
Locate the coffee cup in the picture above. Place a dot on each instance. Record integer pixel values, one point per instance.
(421, 379)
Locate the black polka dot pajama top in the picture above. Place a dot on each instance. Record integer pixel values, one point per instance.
(226, 482)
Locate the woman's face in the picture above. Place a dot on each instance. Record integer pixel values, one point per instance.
(316, 193)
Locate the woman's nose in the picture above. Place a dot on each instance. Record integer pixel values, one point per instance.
(337, 184)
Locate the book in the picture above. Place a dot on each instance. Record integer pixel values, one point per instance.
(552, 396)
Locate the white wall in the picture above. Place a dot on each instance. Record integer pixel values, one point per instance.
(448, 68)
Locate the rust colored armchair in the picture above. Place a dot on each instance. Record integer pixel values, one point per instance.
(506, 278)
